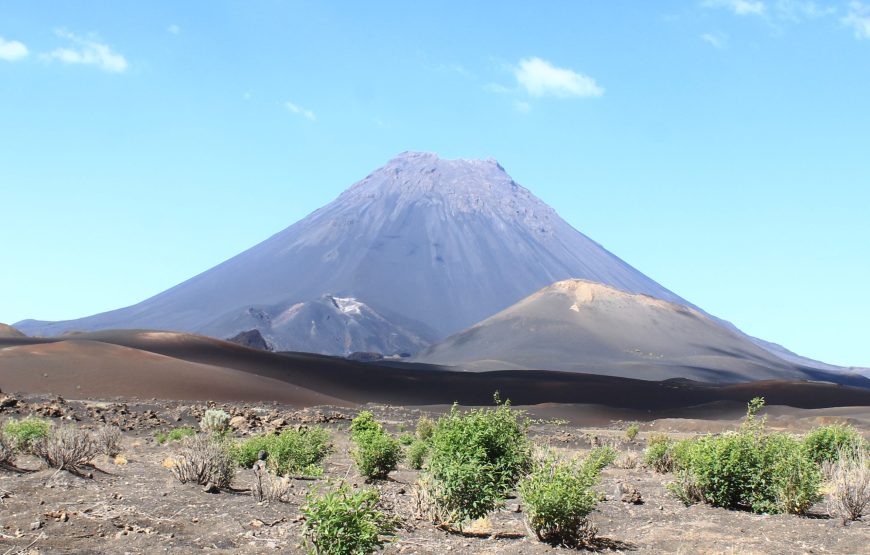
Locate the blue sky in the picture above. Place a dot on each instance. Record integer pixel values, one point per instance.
(721, 147)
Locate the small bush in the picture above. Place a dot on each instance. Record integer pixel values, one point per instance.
(342, 521)
(425, 428)
(108, 439)
(24, 433)
(406, 439)
(215, 421)
(417, 452)
(267, 487)
(751, 469)
(632, 431)
(204, 459)
(627, 461)
(659, 453)
(7, 453)
(826, 442)
(66, 448)
(849, 478)
(292, 452)
(376, 454)
(558, 498)
(176, 434)
(363, 423)
(475, 459)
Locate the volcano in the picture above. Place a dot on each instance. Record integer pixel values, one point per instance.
(431, 246)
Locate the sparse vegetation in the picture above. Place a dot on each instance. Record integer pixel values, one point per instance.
(215, 421)
(292, 451)
(558, 498)
(7, 453)
(267, 487)
(476, 457)
(24, 433)
(849, 479)
(66, 448)
(176, 434)
(376, 453)
(342, 521)
(825, 443)
(659, 453)
(204, 459)
(406, 439)
(417, 452)
(632, 431)
(425, 428)
(108, 439)
(750, 468)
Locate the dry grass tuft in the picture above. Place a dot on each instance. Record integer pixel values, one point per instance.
(849, 479)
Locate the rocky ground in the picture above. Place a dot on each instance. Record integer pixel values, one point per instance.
(133, 504)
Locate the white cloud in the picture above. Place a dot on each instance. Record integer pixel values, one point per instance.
(88, 52)
(541, 78)
(522, 106)
(301, 111)
(739, 7)
(858, 19)
(716, 40)
(12, 50)
(795, 10)
(174, 29)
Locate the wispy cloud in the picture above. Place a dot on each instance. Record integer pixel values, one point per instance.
(739, 7)
(541, 78)
(174, 29)
(88, 51)
(716, 40)
(12, 50)
(796, 10)
(300, 111)
(858, 19)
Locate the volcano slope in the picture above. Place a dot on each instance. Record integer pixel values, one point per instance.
(165, 365)
(581, 326)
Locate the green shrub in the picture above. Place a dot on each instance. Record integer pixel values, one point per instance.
(750, 469)
(176, 434)
(24, 434)
(417, 452)
(658, 454)
(363, 423)
(476, 458)
(557, 499)
(215, 421)
(342, 521)
(632, 431)
(291, 452)
(376, 454)
(406, 439)
(825, 442)
(425, 428)
(600, 457)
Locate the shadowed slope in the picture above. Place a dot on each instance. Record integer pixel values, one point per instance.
(155, 362)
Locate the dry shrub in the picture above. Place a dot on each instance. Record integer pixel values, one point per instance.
(7, 453)
(204, 460)
(849, 478)
(628, 461)
(67, 448)
(268, 487)
(108, 440)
